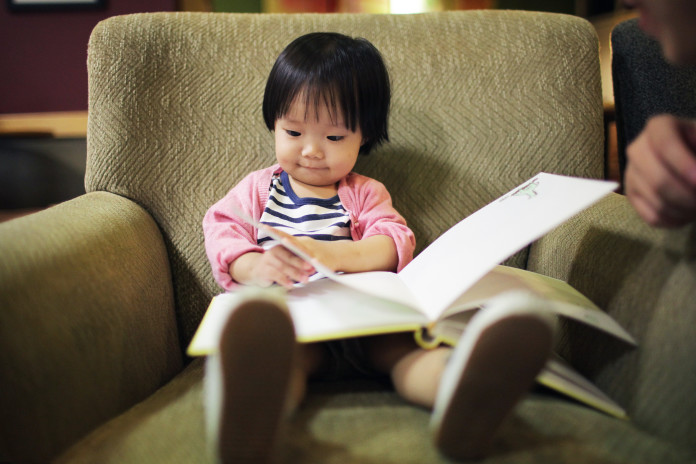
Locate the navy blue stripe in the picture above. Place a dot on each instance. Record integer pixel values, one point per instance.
(301, 219)
(326, 202)
(278, 202)
(322, 237)
(327, 238)
(278, 225)
(281, 204)
(341, 224)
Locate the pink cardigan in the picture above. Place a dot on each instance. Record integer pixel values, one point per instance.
(367, 201)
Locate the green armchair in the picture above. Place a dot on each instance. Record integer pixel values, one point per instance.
(99, 296)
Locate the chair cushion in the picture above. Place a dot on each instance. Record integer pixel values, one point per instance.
(366, 422)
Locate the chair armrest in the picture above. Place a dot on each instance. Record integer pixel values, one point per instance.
(87, 325)
(645, 278)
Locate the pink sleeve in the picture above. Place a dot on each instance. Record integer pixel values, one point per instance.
(375, 215)
(226, 236)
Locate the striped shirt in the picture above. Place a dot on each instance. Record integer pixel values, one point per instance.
(319, 218)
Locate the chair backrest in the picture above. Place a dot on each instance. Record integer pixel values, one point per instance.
(645, 84)
(482, 100)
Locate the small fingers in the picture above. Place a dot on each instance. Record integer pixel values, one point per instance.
(285, 268)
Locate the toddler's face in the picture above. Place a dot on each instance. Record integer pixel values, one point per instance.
(313, 149)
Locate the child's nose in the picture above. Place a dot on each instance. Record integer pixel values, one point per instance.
(311, 150)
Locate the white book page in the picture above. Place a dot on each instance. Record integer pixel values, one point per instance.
(386, 285)
(467, 251)
(326, 309)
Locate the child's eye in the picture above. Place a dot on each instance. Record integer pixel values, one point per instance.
(292, 133)
(335, 138)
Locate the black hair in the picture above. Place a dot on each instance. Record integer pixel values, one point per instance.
(337, 71)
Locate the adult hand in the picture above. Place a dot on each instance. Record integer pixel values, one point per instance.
(661, 173)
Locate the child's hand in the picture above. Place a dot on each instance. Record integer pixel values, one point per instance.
(280, 265)
(277, 265)
(283, 267)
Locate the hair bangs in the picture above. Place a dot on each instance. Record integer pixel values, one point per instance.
(318, 87)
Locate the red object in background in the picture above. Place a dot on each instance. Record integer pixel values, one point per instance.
(43, 57)
(300, 6)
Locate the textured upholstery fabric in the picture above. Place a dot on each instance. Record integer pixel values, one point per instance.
(645, 84)
(367, 423)
(85, 333)
(646, 279)
(482, 101)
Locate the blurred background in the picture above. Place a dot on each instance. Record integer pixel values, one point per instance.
(43, 76)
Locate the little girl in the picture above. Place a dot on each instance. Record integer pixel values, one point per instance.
(327, 101)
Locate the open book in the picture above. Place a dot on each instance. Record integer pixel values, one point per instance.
(436, 294)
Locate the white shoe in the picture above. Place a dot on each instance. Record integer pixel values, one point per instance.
(494, 364)
(247, 381)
